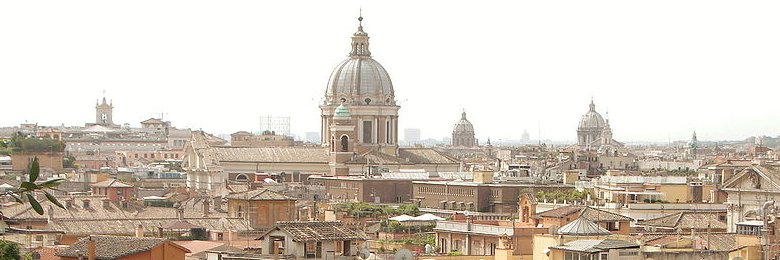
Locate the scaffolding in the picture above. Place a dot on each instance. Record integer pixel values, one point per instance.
(279, 125)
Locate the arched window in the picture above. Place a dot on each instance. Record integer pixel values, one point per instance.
(242, 178)
(344, 143)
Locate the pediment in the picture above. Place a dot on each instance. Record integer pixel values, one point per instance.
(753, 179)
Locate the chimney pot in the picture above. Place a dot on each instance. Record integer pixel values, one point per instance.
(139, 231)
(91, 248)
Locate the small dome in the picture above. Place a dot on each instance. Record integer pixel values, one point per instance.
(342, 111)
(463, 126)
(592, 119)
(582, 227)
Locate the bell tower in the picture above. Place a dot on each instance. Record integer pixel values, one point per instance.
(103, 113)
(342, 141)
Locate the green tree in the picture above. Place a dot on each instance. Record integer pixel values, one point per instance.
(28, 189)
(9, 250)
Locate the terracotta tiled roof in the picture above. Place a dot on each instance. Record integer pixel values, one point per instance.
(561, 212)
(197, 246)
(686, 220)
(182, 224)
(595, 245)
(589, 213)
(47, 253)
(128, 226)
(425, 156)
(721, 242)
(113, 247)
(259, 194)
(272, 154)
(96, 210)
(302, 231)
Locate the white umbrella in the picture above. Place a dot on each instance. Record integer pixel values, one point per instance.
(427, 217)
(402, 218)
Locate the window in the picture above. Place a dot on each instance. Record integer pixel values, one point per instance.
(613, 226)
(368, 131)
(344, 143)
(387, 132)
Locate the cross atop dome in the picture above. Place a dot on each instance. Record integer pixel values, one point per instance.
(360, 41)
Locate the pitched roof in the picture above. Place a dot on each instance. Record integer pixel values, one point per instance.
(425, 156)
(197, 246)
(303, 231)
(259, 194)
(767, 172)
(595, 245)
(111, 183)
(713, 241)
(181, 224)
(272, 154)
(128, 226)
(686, 220)
(152, 121)
(589, 213)
(113, 247)
(405, 156)
(583, 227)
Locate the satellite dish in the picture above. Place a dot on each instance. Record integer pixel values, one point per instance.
(364, 253)
(404, 254)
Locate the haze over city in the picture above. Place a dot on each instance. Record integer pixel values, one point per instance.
(661, 69)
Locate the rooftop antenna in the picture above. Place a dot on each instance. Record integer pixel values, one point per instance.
(539, 129)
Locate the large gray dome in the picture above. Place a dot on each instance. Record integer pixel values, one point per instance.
(360, 80)
(463, 126)
(592, 119)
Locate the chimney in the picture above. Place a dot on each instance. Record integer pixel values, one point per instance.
(180, 213)
(139, 231)
(91, 248)
(69, 202)
(231, 235)
(50, 214)
(106, 203)
(85, 203)
(159, 232)
(218, 204)
(206, 207)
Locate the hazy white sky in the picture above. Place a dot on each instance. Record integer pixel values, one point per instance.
(661, 68)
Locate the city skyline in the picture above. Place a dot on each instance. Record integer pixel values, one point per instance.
(219, 72)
